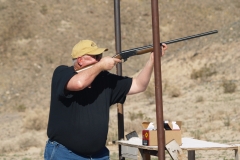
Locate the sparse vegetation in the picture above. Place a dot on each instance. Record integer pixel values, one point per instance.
(203, 73)
(199, 99)
(35, 120)
(21, 108)
(227, 121)
(44, 9)
(229, 86)
(196, 134)
(27, 142)
(133, 116)
(174, 92)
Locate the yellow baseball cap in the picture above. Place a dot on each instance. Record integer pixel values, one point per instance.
(86, 47)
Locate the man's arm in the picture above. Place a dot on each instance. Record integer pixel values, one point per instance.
(84, 78)
(140, 83)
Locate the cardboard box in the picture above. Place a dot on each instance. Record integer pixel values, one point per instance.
(149, 137)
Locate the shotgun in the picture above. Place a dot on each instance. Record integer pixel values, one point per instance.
(124, 55)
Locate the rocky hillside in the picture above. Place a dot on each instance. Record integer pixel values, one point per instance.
(37, 36)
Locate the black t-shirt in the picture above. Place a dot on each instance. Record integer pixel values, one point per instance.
(79, 119)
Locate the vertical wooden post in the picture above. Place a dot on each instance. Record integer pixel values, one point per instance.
(158, 80)
(191, 155)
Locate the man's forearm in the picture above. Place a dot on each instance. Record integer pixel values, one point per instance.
(83, 79)
(144, 76)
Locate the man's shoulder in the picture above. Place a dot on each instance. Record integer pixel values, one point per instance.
(62, 68)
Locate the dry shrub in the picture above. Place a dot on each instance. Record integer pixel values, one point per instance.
(133, 116)
(23, 142)
(174, 92)
(227, 121)
(196, 134)
(199, 99)
(44, 9)
(229, 86)
(211, 118)
(36, 120)
(8, 146)
(21, 108)
(203, 72)
(29, 140)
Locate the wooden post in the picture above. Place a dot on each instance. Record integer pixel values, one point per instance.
(191, 155)
(158, 80)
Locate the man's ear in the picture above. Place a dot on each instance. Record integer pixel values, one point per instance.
(79, 61)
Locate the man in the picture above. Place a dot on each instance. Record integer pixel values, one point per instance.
(80, 102)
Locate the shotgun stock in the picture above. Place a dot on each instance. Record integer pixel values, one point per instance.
(124, 55)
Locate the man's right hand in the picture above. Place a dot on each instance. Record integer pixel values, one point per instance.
(107, 63)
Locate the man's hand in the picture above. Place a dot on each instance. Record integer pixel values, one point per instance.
(163, 47)
(107, 63)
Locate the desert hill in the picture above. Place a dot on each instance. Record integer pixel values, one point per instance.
(200, 76)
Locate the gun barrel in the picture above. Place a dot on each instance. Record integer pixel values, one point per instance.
(173, 41)
(191, 37)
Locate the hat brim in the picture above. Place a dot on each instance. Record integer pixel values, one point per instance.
(97, 51)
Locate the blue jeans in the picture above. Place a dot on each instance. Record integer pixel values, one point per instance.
(56, 151)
